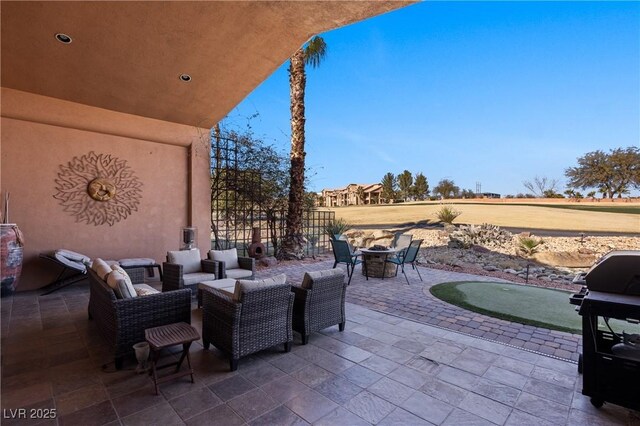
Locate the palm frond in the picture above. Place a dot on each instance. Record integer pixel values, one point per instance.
(315, 51)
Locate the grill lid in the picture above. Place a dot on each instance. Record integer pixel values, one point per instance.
(616, 272)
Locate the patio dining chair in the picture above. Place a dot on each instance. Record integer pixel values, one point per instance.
(343, 254)
(408, 256)
(401, 241)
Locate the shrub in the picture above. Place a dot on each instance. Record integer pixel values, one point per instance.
(337, 227)
(447, 214)
(529, 245)
(484, 235)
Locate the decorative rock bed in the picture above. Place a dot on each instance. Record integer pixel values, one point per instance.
(554, 265)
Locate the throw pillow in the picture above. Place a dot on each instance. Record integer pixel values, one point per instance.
(121, 283)
(229, 257)
(100, 267)
(189, 259)
(243, 286)
(144, 290)
(309, 277)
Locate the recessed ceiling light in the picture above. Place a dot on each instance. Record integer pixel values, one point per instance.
(185, 77)
(63, 38)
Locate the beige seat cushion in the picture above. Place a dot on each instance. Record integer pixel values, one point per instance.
(309, 277)
(229, 257)
(121, 284)
(238, 274)
(243, 286)
(189, 259)
(197, 277)
(227, 282)
(227, 285)
(72, 255)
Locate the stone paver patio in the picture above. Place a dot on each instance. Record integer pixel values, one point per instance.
(386, 368)
(414, 302)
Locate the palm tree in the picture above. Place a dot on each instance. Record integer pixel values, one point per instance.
(312, 54)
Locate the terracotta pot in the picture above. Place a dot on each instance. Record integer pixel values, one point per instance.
(11, 245)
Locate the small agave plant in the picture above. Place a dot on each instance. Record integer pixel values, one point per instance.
(529, 245)
(447, 214)
(337, 227)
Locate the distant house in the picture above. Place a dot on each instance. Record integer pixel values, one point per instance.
(490, 195)
(353, 194)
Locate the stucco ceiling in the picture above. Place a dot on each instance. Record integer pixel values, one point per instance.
(128, 56)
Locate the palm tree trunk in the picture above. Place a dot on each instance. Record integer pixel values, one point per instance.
(292, 245)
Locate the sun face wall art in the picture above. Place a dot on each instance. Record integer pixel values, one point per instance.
(98, 189)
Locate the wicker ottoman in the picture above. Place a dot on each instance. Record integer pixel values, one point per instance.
(225, 284)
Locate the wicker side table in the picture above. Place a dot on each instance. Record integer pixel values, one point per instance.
(165, 336)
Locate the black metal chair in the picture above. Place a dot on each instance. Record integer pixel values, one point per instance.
(407, 256)
(343, 254)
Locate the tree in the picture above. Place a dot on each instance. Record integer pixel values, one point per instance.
(551, 193)
(311, 54)
(389, 187)
(261, 183)
(420, 187)
(540, 185)
(611, 174)
(467, 193)
(446, 189)
(360, 194)
(405, 180)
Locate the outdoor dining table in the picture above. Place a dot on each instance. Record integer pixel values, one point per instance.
(375, 263)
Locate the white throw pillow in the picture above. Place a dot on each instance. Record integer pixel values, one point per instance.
(309, 277)
(229, 257)
(121, 284)
(189, 259)
(243, 286)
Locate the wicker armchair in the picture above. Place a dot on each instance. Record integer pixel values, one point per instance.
(122, 321)
(319, 302)
(230, 265)
(260, 319)
(178, 275)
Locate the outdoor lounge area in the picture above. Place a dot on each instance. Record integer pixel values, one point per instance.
(389, 366)
(109, 112)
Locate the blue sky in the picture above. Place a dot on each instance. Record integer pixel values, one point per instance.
(495, 93)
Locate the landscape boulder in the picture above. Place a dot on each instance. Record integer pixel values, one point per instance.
(573, 259)
(268, 261)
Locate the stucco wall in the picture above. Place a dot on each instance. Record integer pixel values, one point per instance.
(34, 146)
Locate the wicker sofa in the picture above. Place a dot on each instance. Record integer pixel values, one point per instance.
(319, 302)
(122, 321)
(257, 316)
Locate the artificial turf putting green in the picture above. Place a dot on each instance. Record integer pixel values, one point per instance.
(518, 303)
